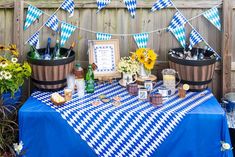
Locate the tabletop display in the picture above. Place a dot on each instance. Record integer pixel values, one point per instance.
(133, 126)
(114, 104)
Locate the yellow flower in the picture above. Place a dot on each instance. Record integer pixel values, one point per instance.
(149, 64)
(13, 50)
(152, 55)
(139, 52)
(133, 56)
(141, 58)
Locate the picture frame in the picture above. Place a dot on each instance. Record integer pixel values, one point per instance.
(106, 55)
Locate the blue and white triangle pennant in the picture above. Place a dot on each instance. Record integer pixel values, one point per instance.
(194, 38)
(177, 21)
(213, 16)
(66, 32)
(103, 36)
(34, 40)
(160, 4)
(53, 23)
(33, 13)
(141, 39)
(131, 6)
(102, 3)
(68, 5)
(179, 34)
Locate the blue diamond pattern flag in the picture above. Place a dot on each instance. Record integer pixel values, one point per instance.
(68, 5)
(177, 20)
(131, 6)
(213, 16)
(66, 31)
(103, 36)
(217, 55)
(102, 3)
(33, 13)
(34, 40)
(160, 4)
(194, 38)
(52, 23)
(179, 33)
(141, 39)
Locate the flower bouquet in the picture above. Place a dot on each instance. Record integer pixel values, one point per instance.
(12, 73)
(128, 67)
(146, 58)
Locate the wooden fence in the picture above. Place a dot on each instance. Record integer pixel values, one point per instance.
(116, 19)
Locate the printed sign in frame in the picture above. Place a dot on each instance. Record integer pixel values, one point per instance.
(106, 55)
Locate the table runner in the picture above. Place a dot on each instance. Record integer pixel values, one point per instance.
(135, 128)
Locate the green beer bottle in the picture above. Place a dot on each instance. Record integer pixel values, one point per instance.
(34, 53)
(90, 82)
(56, 52)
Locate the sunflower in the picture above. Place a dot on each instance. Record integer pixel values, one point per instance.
(141, 58)
(139, 51)
(152, 55)
(133, 56)
(13, 49)
(149, 64)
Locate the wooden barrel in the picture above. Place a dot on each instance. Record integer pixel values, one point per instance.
(50, 75)
(197, 73)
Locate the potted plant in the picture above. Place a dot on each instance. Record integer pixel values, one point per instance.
(12, 74)
(146, 58)
(128, 67)
(8, 129)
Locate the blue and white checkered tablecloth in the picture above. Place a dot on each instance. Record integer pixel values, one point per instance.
(136, 128)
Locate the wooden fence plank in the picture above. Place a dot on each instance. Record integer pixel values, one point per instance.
(227, 46)
(18, 26)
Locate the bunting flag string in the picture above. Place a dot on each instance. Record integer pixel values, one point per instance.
(179, 33)
(131, 7)
(141, 39)
(213, 16)
(177, 21)
(103, 36)
(218, 56)
(102, 4)
(33, 13)
(131, 34)
(34, 40)
(66, 32)
(160, 4)
(68, 5)
(53, 23)
(194, 38)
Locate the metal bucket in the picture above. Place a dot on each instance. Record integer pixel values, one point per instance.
(229, 102)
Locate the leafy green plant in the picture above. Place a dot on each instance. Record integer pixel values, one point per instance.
(8, 128)
(12, 73)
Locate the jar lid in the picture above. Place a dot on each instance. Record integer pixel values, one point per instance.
(78, 65)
